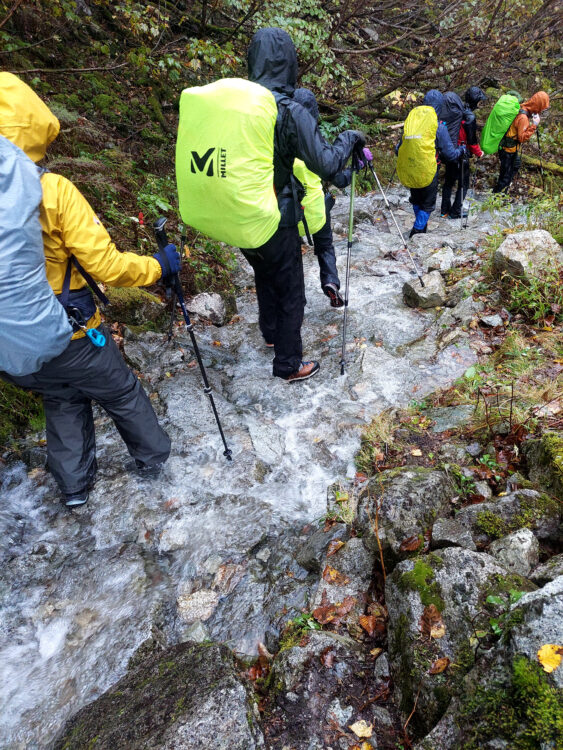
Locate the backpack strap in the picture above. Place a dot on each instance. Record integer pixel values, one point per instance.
(63, 297)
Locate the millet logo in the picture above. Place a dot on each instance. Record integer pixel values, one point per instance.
(206, 162)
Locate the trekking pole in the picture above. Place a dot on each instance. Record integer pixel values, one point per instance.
(541, 164)
(472, 191)
(376, 178)
(391, 179)
(462, 186)
(162, 241)
(349, 253)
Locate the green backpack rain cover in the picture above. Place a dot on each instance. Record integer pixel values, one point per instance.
(314, 200)
(225, 161)
(416, 163)
(498, 122)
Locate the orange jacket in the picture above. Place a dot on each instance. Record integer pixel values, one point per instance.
(521, 129)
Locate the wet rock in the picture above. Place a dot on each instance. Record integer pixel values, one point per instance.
(527, 253)
(518, 552)
(483, 488)
(461, 290)
(134, 306)
(432, 294)
(381, 669)
(492, 321)
(447, 532)
(355, 564)
(311, 552)
(493, 520)
(209, 306)
(189, 696)
(197, 606)
(442, 260)
(450, 417)
(410, 500)
(196, 632)
(318, 687)
(451, 585)
(545, 461)
(548, 571)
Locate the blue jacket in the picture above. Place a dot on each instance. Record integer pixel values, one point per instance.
(444, 146)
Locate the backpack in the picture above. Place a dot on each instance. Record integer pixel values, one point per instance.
(35, 328)
(498, 122)
(314, 200)
(225, 161)
(452, 114)
(416, 163)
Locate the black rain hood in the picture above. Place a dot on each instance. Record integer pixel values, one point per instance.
(473, 96)
(306, 98)
(272, 60)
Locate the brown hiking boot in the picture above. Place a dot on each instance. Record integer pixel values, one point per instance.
(306, 371)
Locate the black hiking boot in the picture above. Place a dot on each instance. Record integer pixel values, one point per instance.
(331, 291)
(306, 371)
(76, 499)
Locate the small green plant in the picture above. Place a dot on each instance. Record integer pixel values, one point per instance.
(502, 605)
(536, 297)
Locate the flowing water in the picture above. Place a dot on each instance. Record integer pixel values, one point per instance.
(81, 592)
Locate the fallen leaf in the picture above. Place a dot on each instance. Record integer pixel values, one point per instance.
(361, 728)
(550, 656)
(327, 612)
(216, 343)
(331, 575)
(368, 623)
(431, 623)
(334, 546)
(327, 657)
(439, 665)
(375, 652)
(416, 452)
(410, 544)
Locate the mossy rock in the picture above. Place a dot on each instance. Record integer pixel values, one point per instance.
(545, 461)
(134, 306)
(187, 696)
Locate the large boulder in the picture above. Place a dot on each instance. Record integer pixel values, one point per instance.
(406, 502)
(501, 516)
(189, 696)
(508, 700)
(432, 294)
(527, 253)
(545, 461)
(209, 306)
(136, 307)
(434, 603)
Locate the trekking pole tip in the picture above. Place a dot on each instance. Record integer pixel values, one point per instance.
(228, 454)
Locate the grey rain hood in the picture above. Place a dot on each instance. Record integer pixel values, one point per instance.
(434, 98)
(272, 60)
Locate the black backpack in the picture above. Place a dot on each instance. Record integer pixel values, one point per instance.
(452, 115)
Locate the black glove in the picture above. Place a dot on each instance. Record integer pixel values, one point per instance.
(169, 259)
(360, 138)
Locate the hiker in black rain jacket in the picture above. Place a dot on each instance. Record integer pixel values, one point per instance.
(278, 266)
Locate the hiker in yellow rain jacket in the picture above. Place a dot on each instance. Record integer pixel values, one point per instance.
(79, 252)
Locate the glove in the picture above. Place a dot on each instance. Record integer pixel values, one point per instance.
(463, 151)
(368, 156)
(360, 138)
(536, 119)
(169, 259)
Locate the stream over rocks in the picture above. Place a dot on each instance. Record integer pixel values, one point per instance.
(207, 550)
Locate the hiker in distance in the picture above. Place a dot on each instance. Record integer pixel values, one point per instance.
(78, 251)
(317, 205)
(458, 171)
(520, 131)
(278, 265)
(424, 144)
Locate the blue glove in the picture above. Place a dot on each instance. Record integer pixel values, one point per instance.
(169, 259)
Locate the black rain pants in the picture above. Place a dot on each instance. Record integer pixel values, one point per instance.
(68, 384)
(453, 176)
(324, 248)
(280, 288)
(508, 168)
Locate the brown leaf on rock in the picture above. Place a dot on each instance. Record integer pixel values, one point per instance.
(331, 575)
(431, 623)
(368, 623)
(439, 665)
(410, 544)
(327, 657)
(334, 546)
(327, 612)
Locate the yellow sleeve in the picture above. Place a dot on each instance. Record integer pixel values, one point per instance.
(85, 237)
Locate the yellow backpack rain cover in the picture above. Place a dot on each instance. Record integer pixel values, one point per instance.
(225, 161)
(416, 165)
(314, 201)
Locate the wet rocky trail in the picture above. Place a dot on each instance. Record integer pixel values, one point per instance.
(152, 574)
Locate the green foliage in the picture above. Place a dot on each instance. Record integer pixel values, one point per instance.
(421, 579)
(20, 412)
(536, 297)
(296, 629)
(209, 266)
(500, 605)
(157, 196)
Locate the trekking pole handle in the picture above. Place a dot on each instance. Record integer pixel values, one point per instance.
(160, 232)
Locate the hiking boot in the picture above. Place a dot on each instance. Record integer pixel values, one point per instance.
(268, 345)
(444, 216)
(331, 291)
(458, 216)
(306, 371)
(76, 499)
(146, 471)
